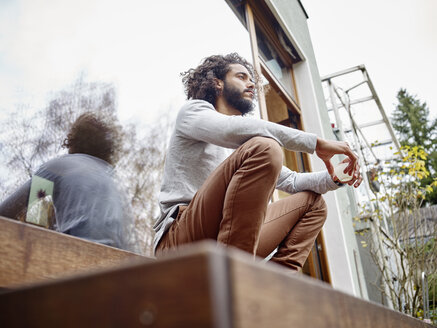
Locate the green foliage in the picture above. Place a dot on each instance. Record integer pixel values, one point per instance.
(403, 181)
(415, 128)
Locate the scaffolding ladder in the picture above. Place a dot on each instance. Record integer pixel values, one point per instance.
(358, 117)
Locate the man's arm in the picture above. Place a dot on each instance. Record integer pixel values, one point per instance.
(293, 182)
(198, 120)
(16, 204)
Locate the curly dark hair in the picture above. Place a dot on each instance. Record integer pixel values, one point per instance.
(199, 82)
(91, 135)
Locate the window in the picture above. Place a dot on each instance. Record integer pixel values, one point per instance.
(274, 63)
(274, 56)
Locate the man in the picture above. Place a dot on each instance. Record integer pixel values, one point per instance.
(87, 201)
(206, 194)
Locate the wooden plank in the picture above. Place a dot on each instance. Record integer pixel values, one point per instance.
(179, 291)
(29, 253)
(267, 295)
(200, 286)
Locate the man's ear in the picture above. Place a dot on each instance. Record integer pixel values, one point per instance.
(219, 84)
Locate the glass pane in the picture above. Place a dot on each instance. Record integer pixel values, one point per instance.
(279, 112)
(294, 123)
(274, 62)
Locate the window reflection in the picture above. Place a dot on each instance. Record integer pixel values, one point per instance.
(274, 62)
(280, 113)
(294, 123)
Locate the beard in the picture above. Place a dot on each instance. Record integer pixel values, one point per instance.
(234, 97)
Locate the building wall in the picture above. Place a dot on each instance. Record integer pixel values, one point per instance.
(373, 275)
(341, 245)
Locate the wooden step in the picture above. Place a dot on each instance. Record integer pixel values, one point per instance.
(202, 285)
(29, 253)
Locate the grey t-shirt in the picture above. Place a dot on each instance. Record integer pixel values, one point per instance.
(87, 201)
(203, 138)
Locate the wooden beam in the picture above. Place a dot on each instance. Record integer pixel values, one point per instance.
(181, 291)
(270, 296)
(30, 253)
(202, 285)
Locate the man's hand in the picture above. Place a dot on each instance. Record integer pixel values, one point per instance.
(326, 149)
(356, 178)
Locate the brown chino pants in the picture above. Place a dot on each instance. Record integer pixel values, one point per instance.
(232, 208)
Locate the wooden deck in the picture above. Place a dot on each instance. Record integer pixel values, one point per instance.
(202, 285)
(29, 254)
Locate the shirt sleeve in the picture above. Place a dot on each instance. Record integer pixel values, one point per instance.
(293, 182)
(199, 120)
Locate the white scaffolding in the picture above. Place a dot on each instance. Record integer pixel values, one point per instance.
(364, 119)
(358, 117)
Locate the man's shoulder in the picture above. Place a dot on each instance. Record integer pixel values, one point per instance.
(192, 110)
(196, 105)
(74, 162)
(77, 157)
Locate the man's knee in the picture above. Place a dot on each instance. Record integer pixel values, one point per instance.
(267, 147)
(315, 204)
(267, 143)
(320, 206)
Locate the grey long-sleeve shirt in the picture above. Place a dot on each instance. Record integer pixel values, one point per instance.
(203, 138)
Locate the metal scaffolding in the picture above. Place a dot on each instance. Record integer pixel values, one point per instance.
(349, 90)
(358, 117)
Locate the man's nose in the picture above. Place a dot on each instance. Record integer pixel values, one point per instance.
(250, 85)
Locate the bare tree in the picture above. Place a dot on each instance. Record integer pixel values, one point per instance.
(140, 170)
(31, 136)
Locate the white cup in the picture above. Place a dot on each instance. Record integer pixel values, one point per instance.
(338, 171)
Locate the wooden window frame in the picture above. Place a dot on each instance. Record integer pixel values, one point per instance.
(257, 10)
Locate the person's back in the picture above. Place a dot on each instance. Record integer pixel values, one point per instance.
(87, 201)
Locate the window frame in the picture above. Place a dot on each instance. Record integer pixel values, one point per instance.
(257, 12)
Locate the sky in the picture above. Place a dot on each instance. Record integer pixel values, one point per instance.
(142, 46)
(395, 39)
(139, 46)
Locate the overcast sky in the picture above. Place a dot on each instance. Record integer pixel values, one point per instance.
(139, 46)
(395, 39)
(142, 46)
